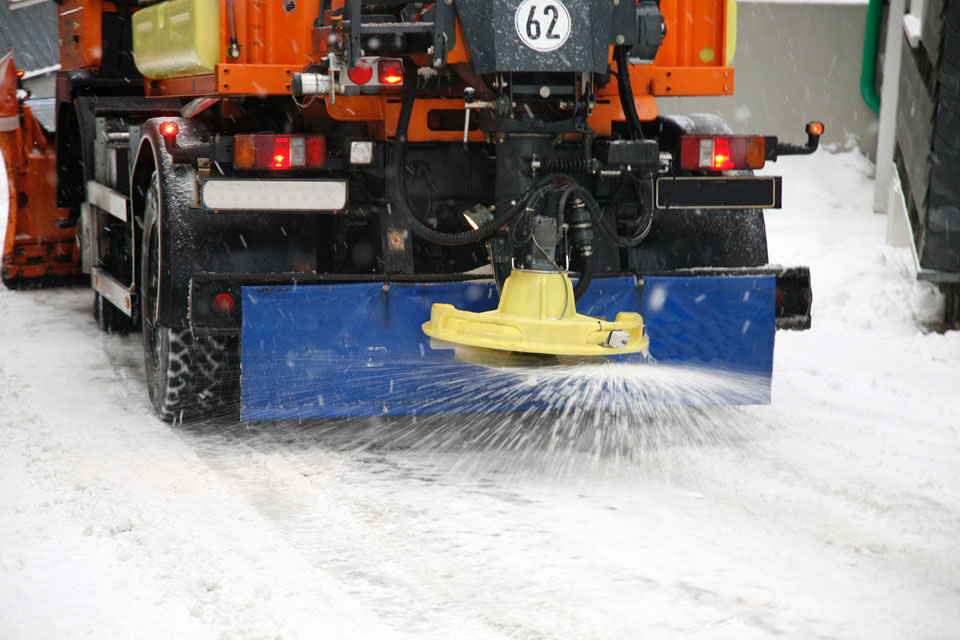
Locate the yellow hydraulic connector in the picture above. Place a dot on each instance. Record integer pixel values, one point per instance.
(537, 314)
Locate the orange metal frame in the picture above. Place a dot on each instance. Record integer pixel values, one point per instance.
(275, 44)
(35, 244)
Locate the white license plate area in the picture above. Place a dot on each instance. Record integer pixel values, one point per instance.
(274, 195)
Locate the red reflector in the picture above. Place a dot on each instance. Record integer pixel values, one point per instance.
(316, 151)
(778, 297)
(391, 72)
(223, 303)
(722, 159)
(169, 129)
(361, 72)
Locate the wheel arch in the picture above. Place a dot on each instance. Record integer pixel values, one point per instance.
(152, 157)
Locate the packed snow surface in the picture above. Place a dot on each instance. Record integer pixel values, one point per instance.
(832, 513)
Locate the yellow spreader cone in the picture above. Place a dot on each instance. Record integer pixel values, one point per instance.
(537, 314)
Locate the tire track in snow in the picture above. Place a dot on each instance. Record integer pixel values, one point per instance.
(131, 534)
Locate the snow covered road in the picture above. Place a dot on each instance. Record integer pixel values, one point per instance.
(832, 513)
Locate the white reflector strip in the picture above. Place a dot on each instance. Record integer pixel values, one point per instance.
(296, 152)
(706, 152)
(275, 195)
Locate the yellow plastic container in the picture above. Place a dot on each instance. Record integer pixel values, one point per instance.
(177, 38)
(537, 314)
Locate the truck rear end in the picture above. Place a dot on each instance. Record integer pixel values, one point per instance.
(347, 197)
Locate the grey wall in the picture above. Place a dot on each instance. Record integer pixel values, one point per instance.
(795, 63)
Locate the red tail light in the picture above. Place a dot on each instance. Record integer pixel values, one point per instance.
(267, 151)
(720, 153)
(391, 72)
(169, 129)
(362, 72)
(223, 304)
(275, 156)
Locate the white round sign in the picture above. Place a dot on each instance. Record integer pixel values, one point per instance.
(543, 25)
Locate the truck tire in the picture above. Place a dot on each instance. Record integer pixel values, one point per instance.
(166, 351)
(185, 373)
(217, 376)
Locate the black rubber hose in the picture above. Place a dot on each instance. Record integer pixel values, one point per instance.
(627, 101)
(399, 189)
(586, 275)
(594, 208)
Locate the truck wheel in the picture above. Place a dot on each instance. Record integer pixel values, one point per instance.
(166, 351)
(217, 375)
(691, 239)
(189, 377)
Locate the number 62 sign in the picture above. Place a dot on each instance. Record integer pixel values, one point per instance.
(543, 25)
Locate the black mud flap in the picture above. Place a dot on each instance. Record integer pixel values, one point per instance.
(739, 192)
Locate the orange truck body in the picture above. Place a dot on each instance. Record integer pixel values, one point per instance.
(274, 44)
(210, 151)
(36, 243)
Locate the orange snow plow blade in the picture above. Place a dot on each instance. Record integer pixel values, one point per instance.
(39, 242)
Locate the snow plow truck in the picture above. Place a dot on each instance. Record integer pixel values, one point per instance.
(324, 208)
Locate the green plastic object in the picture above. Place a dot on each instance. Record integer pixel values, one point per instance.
(868, 70)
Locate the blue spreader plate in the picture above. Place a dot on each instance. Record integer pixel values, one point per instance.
(338, 350)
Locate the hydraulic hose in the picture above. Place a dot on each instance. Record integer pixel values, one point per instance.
(625, 88)
(586, 275)
(580, 233)
(640, 230)
(399, 189)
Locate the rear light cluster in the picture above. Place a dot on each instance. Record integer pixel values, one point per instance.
(278, 152)
(722, 152)
(387, 71)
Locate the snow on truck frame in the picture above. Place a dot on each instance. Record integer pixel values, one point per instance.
(355, 203)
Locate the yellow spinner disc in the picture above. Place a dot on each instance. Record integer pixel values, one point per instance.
(537, 314)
